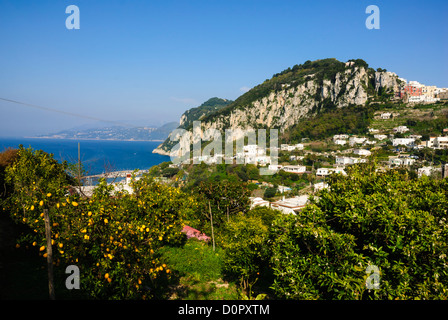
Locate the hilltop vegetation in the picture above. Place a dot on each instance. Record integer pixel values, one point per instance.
(350, 120)
(210, 106)
(310, 70)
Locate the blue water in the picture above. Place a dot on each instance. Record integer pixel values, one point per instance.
(96, 155)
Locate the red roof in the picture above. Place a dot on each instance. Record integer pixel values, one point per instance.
(194, 233)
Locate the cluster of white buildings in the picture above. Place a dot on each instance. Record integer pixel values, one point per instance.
(416, 92)
(288, 147)
(343, 139)
(343, 161)
(401, 161)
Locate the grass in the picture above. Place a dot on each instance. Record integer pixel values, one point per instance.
(197, 273)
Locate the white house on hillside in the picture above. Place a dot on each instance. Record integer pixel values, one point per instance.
(403, 142)
(362, 152)
(294, 169)
(291, 205)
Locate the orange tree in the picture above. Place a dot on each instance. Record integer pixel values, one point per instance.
(113, 237)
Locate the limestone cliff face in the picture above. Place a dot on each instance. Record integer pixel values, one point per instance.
(386, 80)
(285, 106)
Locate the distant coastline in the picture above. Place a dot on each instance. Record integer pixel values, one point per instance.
(89, 139)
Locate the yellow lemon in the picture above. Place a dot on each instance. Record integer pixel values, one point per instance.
(32, 208)
(41, 203)
(48, 194)
(42, 248)
(75, 204)
(106, 276)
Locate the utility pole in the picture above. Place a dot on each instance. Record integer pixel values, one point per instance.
(79, 163)
(49, 254)
(211, 222)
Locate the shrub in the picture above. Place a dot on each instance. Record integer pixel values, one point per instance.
(391, 220)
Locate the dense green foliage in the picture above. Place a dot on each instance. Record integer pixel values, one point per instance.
(389, 220)
(114, 235)
(208, 107)
(427, 128)
(392, 221)
(350, 120)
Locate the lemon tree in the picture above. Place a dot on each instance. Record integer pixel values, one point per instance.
(113, 237)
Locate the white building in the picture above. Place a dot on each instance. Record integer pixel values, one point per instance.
(294, 157)
(424, 171)
(287, 147)
(362, 152)
(343, 161)
(355, 140)
(323, 172)
(409, 142)
(340, 142)
(283, 189)
(255, 159)
(340, 136)
(253, 149)
(275, 167)
(294, 169)
(386, 115)
(401, 129)
(440, 143)
(380, 136)
(404, 161)
(258, 202)
(290, 205)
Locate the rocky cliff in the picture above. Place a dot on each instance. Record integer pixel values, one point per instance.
(299, 93)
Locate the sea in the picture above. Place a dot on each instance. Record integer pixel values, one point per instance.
(97, 156)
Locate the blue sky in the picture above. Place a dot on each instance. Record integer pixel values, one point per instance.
(146, 62)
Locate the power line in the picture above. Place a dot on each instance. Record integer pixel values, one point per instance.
(72, 114)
